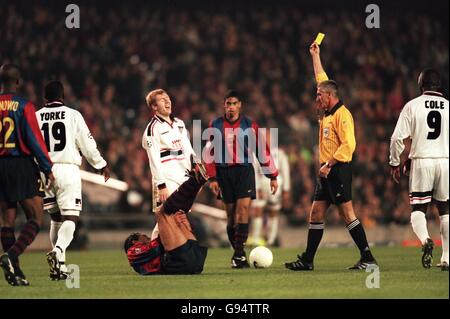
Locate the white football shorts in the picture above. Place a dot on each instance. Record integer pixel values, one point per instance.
(66, 192)
(428, 180)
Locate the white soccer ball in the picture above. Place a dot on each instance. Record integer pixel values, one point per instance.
(261, 257)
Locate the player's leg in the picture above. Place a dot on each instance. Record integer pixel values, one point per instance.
(184, 225)
(8, 216)
(273, 219)
(55, 225)
(170, 234)
(441, 195)
(305, 261)
(272, 225)
(256, 224)
(358, 234)
(230, 208)
(443, 208)
(421, 183)
(241, 229)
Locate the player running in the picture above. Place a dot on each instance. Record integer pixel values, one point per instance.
(66, 135)
(175, 250)
(20, 144)
(168, 147)
(425, 120)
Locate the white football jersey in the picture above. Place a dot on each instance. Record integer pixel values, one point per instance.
(425, 120)
(168, 148)
(281, 161)
(66, 135)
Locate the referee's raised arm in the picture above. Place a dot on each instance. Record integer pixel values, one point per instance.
(319, 72)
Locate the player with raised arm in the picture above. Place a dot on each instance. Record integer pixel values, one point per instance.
(337, 143)
(168, 147)
(20, 144)
(425, 120)
(66, 135)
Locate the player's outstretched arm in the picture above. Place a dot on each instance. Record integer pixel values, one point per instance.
(319, 72)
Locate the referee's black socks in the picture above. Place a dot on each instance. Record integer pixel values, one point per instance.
(358, 234)
(315, 234)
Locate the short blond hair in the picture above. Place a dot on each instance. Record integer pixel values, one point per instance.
(151, 96)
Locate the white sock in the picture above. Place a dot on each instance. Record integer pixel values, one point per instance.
(54, 228)
(257, 225)
(65, 236)
(273, 229)
(444, 237)
(419, 226)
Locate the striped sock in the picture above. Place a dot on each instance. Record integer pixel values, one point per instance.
(27, 235)
(359, 237)
(315, 234)
(183, 198)
(240, 238)
(7, 237)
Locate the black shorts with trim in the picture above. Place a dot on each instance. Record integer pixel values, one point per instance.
(236, 182)
(19, 179)
(188, 259)
(337, 187)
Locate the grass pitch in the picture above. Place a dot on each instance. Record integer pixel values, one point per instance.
(106, 274)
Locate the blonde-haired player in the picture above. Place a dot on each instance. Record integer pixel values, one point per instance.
(168, 147)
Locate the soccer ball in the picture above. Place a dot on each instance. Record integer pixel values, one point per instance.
(261, 257)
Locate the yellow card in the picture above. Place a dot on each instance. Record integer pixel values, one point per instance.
(319, 38)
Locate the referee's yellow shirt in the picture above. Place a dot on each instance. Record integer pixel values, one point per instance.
(337, 132)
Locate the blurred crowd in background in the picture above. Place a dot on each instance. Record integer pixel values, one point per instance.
(196, 54)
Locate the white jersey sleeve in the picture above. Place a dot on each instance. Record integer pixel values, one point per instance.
(186, 143)
(402, 130)
(86, 143)
(151, 144)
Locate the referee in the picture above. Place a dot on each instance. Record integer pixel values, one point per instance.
(334, 186)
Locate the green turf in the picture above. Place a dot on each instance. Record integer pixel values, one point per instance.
(106, 274)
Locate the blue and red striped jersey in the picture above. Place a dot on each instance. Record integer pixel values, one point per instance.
(146, 258)
(19, 131)
(235, 143)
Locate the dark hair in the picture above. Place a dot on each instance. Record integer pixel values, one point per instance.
(330, 86)
(430, 79)
(129, 241)
(9, 73)
(54, 90)
(232, 93)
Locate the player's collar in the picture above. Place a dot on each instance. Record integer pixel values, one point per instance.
(334, 108)
(172, 118)
(432, 93)
(54, 104)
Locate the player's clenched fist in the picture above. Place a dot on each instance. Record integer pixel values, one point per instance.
(314, 49)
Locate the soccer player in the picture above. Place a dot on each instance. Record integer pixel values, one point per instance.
(168, 147)
(232, 174)
(20, 144)
(67, 137)
(334, 186)
(273, 202)
(175, 250)
(425, 120)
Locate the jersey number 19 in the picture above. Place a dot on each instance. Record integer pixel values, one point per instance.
(58, 136)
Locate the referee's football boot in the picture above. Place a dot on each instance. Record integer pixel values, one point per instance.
(8, 269)
(300, 264)
(427, 257)
(239, 262)
(363, 264)
(55, 269)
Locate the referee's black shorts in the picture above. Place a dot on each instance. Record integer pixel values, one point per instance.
(236, 182)
(19, 179)
(337, 187)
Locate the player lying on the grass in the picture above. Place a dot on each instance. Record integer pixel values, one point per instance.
(175, 250)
